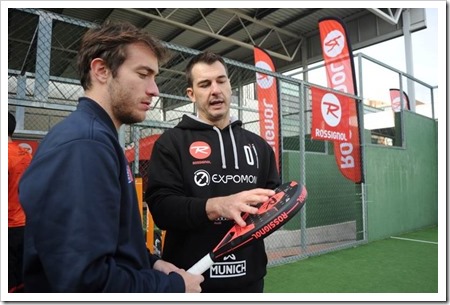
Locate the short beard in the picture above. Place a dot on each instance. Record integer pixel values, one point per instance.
(119, 107)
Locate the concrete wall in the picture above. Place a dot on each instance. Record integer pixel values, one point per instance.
(402, 183)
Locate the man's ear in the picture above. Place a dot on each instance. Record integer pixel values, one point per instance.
(99, 71)
(190, 94)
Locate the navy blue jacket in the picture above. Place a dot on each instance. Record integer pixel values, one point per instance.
(83, 231)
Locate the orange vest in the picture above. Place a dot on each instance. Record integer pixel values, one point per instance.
(18, 160)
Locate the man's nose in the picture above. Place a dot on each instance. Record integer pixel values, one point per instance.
(215, 88)
(152, 88)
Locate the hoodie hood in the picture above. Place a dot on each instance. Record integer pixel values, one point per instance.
(189, 121)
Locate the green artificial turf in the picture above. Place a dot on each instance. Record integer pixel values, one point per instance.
(385, 266)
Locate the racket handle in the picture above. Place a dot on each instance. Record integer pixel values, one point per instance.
(202, 265)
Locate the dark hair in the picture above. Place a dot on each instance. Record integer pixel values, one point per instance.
(109, 42)
(206, 57)
(11, 124)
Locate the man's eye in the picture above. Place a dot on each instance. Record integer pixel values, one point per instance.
(142, 75)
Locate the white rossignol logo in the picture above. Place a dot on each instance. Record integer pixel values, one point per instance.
(200, 150)
(334, 43)
(331, 109)
(264, 81)
(27, 147)
(203, 178)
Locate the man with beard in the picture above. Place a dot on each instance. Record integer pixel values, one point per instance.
(204, 174)
(84, 231)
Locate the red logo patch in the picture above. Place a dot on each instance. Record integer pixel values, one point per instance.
(200, 150)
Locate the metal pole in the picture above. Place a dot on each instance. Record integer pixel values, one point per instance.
(409, 58)
(302, 131)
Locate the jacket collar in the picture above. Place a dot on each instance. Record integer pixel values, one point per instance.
(89, 105)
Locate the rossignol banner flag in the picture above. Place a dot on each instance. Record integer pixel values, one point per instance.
(330, 115)
(268, 102)
(29, 145)
(396, 100)
(338, 59)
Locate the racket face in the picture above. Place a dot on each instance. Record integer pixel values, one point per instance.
(289, 198)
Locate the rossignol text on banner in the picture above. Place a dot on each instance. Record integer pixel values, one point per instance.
(338, 59)
(268, 102)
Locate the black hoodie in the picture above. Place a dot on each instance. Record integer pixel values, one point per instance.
(196, 161)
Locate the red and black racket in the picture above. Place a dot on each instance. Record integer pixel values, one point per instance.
(289, 198)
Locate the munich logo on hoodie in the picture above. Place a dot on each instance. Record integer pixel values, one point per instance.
(228, 268)
(200, 150)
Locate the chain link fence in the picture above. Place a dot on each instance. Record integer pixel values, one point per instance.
(43, 89)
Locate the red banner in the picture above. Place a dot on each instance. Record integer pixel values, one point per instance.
(338, 59)
(268, 102)
(396, 100)
(30, 145)
(330, 115)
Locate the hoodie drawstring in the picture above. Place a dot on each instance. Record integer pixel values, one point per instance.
(233, 142)
(222, 149)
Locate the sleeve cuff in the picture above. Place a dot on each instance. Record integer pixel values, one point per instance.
(178, 282)
(153, 258)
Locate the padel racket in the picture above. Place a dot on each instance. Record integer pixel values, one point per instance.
(289, 198)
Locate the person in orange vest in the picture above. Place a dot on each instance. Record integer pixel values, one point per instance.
(18, 160)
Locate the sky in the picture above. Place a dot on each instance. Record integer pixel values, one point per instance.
(426, 61)
(377, 80)
(424, 45)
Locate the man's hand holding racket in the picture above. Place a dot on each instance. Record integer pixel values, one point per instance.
(271, 215)
(233, 206)
(191, 281)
